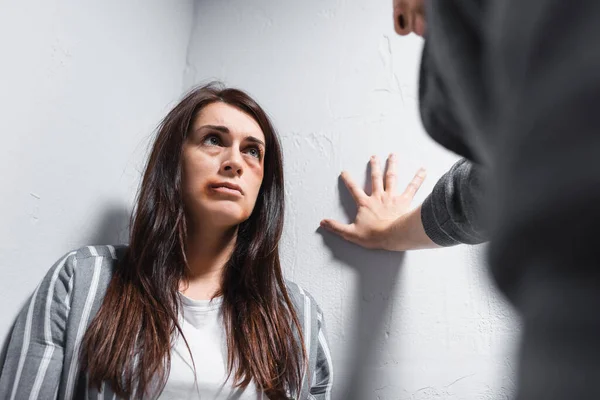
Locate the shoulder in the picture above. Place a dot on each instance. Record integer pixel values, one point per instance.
(112, 252)
(85, 266)
(305, 303)
(89, 256)
(75, 283)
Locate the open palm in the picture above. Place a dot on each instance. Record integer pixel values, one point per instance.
(378, 212)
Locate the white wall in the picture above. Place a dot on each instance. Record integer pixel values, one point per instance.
(83, 84)
(341, 86)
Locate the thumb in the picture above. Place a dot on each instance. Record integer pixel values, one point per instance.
(346, 231)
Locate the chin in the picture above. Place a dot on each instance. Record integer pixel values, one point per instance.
(227, 216)
(226, 221)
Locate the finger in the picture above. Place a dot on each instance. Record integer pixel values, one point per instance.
(346, 231)
(357, 193)
(376, 176)
(415, 184)
(390, 174)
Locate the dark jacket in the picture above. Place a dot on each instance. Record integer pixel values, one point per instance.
(514, 87)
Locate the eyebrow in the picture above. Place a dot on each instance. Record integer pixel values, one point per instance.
(224, 129)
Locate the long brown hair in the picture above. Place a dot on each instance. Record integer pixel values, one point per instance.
(128, 343)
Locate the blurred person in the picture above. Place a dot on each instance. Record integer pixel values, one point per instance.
(513, 87)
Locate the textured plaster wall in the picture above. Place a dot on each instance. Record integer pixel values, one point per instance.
(340, 86)
(83, 85)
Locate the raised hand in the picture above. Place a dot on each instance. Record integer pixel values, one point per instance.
(380, 213)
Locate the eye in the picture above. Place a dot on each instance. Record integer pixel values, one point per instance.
(254, 152)
(212, 140)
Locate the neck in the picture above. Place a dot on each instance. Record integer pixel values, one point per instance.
(207, 252)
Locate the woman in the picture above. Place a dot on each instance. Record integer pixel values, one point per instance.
(196, 306)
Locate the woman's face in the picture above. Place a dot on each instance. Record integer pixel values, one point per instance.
(223, 166)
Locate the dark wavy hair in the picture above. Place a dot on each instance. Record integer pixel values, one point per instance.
(128, 343)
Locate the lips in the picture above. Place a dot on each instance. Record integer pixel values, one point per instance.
(227, 187)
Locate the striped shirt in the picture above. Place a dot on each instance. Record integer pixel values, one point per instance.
(42, 361)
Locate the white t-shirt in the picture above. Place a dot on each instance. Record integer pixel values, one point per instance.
(202, 324)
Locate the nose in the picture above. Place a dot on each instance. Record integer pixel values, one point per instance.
(402, 20)
(402, 23)
(232, 164)
(409, 16)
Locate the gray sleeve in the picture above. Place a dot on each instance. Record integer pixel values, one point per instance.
(34, 358)
(323, 378)
(451, 213)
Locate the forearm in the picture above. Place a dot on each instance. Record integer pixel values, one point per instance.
(408, 233)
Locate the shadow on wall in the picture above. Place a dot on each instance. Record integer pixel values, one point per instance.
(378, 273)
(113, 228)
